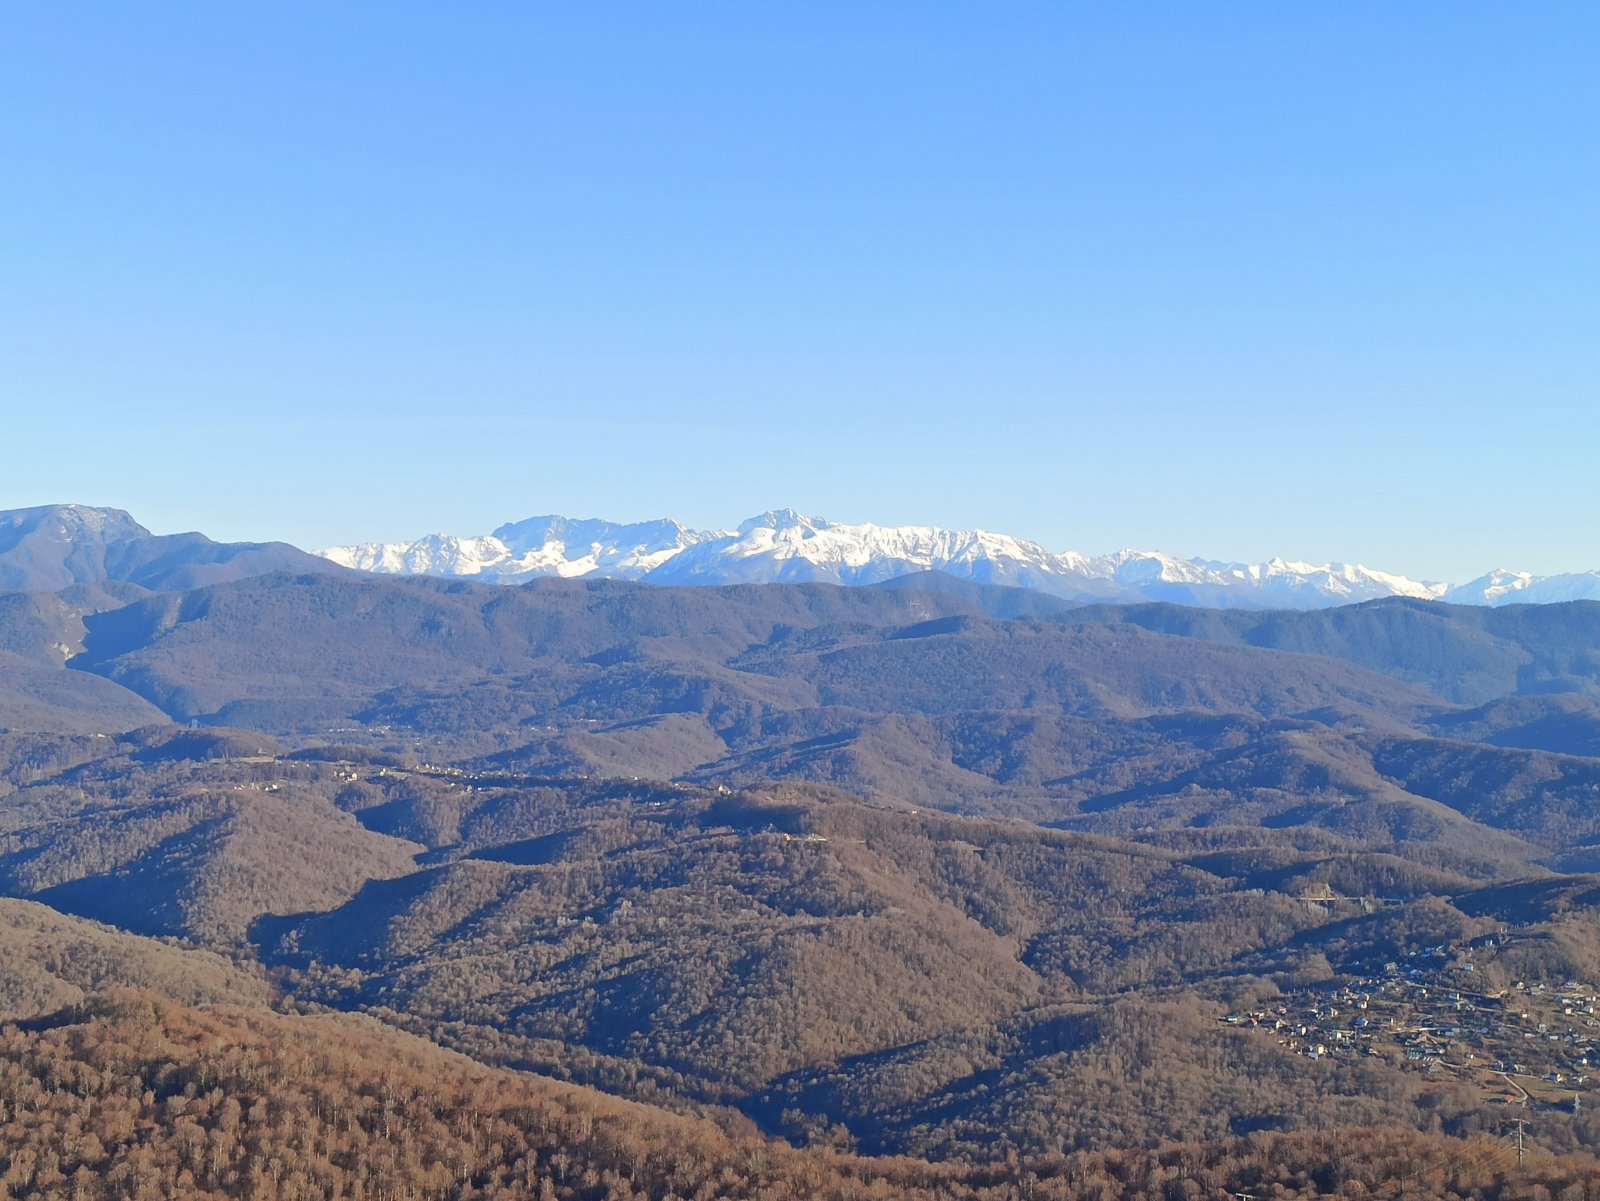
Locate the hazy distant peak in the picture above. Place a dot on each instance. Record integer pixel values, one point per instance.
(68, 523)
(51, 547)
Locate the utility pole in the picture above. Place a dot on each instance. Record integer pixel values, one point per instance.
(1522, 1149)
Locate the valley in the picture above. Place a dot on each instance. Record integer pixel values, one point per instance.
(932, 878)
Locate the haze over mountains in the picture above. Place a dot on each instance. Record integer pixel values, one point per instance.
(787, 547)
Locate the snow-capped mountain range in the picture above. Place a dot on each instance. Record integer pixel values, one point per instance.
(786, 547)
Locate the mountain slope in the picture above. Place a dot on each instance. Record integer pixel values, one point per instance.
(282, 654)
(1464, 654)
(38, 698)
(339, 1107)
(52, 547)
(52, 961)
(1091, 717)
(162, 838)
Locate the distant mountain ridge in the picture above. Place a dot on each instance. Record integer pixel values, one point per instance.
(51, 547)
(784, 546)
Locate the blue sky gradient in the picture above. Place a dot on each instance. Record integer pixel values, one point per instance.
(1224, 279)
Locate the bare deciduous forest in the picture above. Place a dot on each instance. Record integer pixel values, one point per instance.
(340, 887)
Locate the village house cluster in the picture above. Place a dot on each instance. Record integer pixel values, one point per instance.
(1536, 1045)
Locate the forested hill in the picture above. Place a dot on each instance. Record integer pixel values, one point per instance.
(837, 971)
(1109, 718)
(1465, 654)
(941, 873)
(1461, 655)
(227, 1103)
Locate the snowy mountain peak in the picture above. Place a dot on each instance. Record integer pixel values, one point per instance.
(524, 536)
(1503, 587)
(785, 546)
(783, 521)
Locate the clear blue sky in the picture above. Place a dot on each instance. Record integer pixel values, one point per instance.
(1227, 279)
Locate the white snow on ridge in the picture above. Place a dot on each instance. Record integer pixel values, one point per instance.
(437, 554)
(1502, 587)
(540, 546)
(789, 547)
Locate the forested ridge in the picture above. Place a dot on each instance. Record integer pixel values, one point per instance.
(131, 1096)
(878, 892)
